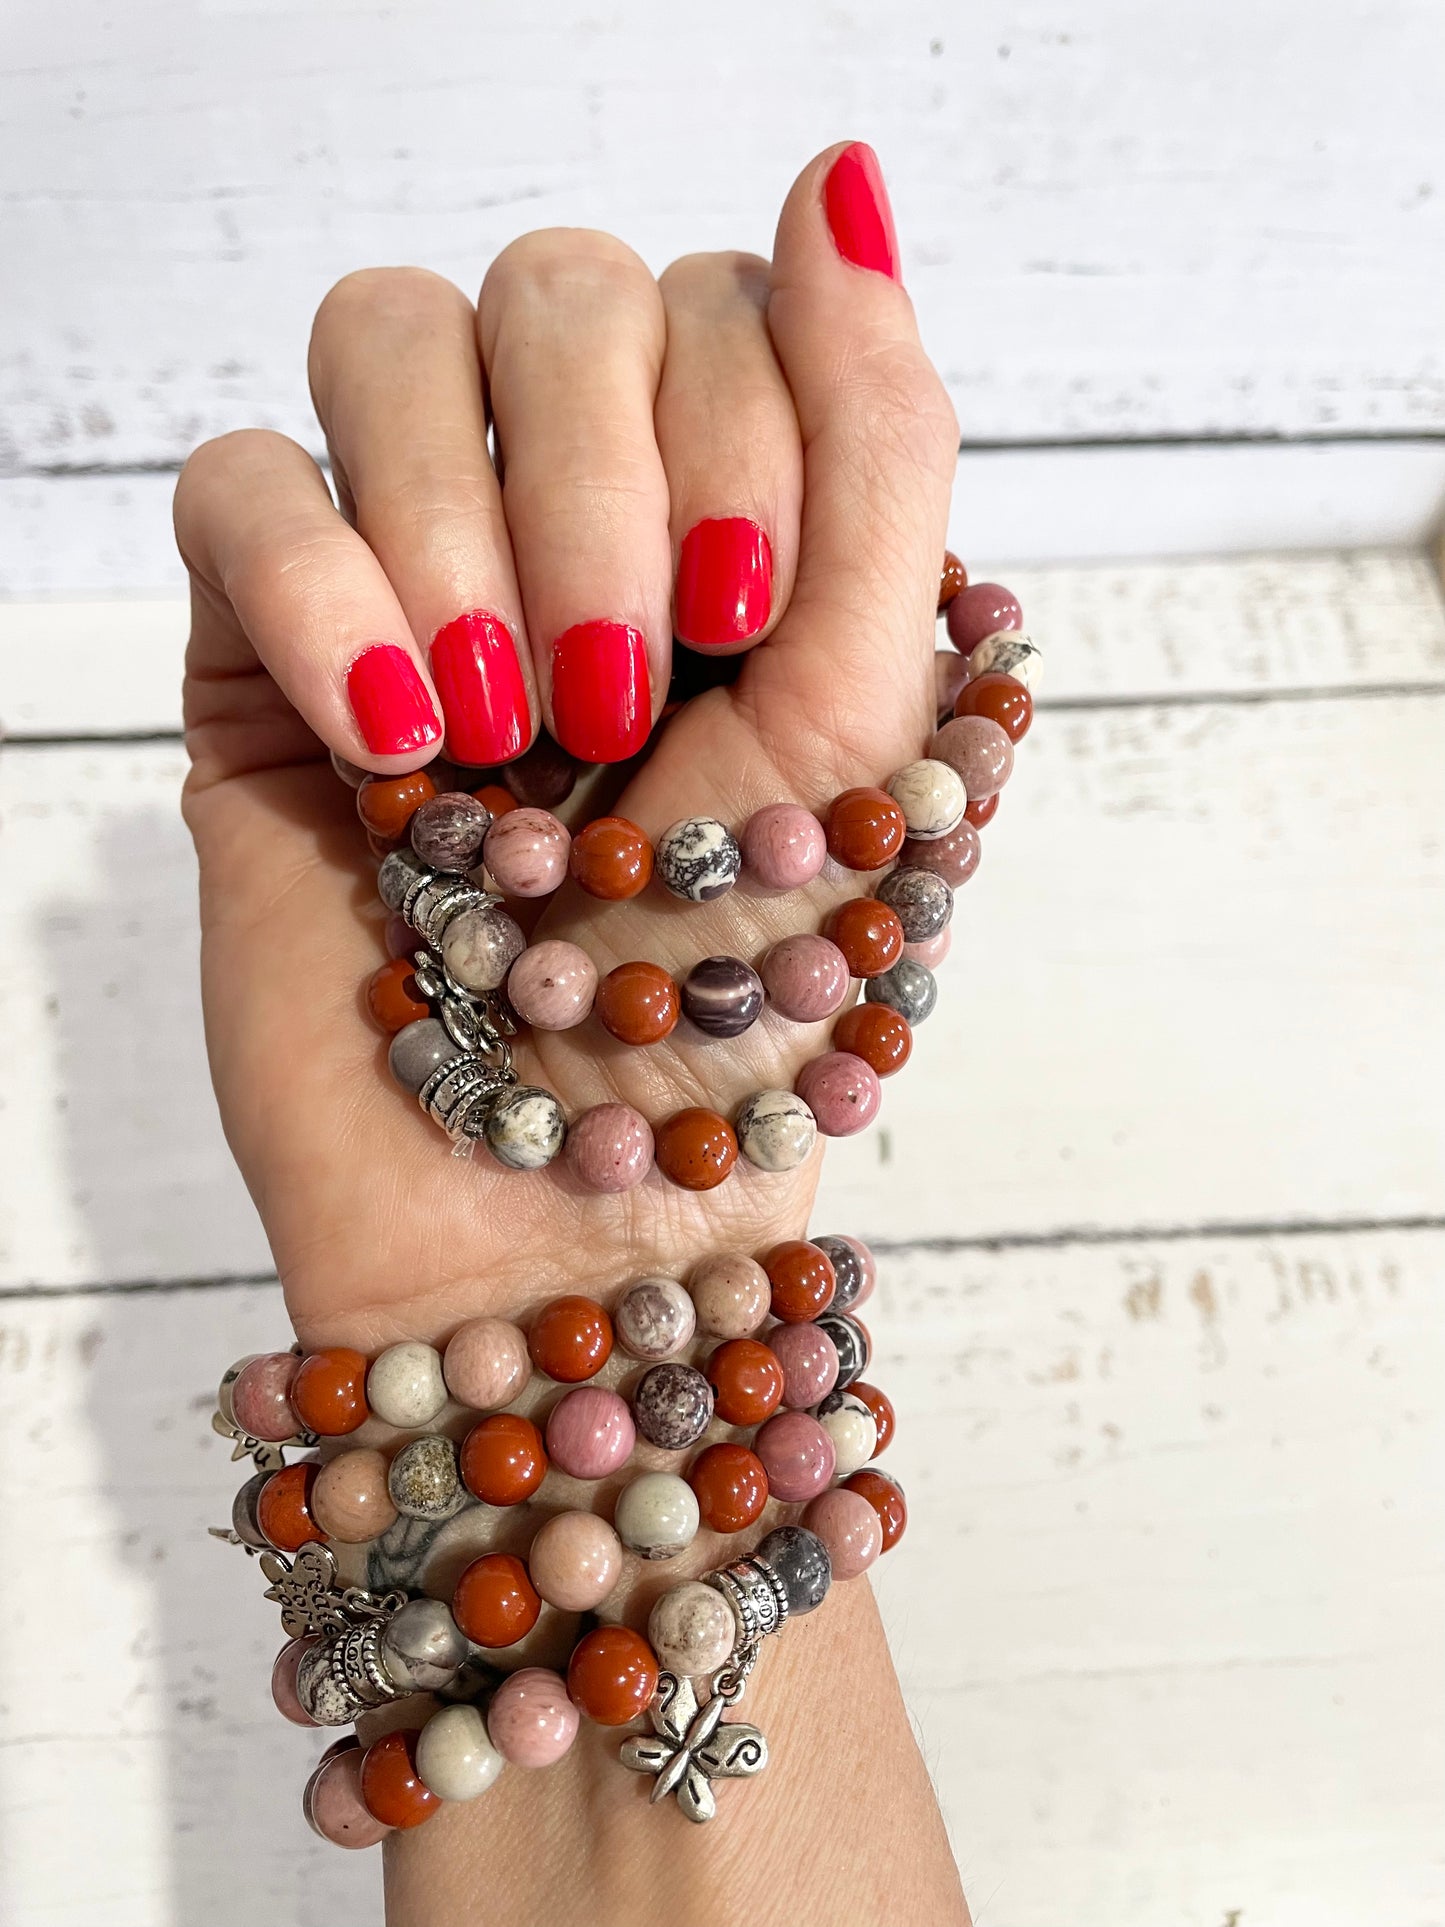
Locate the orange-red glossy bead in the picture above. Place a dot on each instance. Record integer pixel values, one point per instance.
(887, 1500)
(611, 859)
(877, 1034)
(503, 1459)
(696, 1149)
(979, 810)
(747, 1379)
(570, 1339)
(1003, 699)
(865, 829)
(638, 1002)
(612, 1675)
(869, 935)
(802, 1278)
(953, 578)
(495, 1602)
(328, 1393)
(730, 1485)
(386, 804)
(283, 1510)
(495, 798)
(881, 1406)
(392, 1789)
(393, 998)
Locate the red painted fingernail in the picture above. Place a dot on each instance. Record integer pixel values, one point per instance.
(478, 674)
(390, 702)
(601, 692)
(856, 202)
(724, 582)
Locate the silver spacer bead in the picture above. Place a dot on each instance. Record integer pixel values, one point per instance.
(435, 898)
(460, 1094)
(356, 1665)
(757, 1596)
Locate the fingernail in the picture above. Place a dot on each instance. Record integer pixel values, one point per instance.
(601, 693)
(390, 702)
(478, 674)
(856, 203)
(724, 582)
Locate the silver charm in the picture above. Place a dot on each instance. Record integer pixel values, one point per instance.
(269, 1456)
(691, 1746)
(306, 1590)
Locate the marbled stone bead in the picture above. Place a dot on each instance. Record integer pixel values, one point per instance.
(851, 1340)
(447, 831)
(422, 1646)
(800, 1559)
(245, 1512)
(525, 1128)
(953, 857)
(776, 1131)
(783, 846)
(423, 1479)
(531, 1720)
(260, 1397)
(730, 1293)
(672, 1406)
(1003, 699)
(350, 1500)
(570, 1339)
(526, 853)
(575, 1561)
(325, 1700)
(909, 988)
(654, 1319)
(865, 829)
(979, 750)
(854, 1270)
(797, 1455)
(455, 1755)
(810, 1364)
(612, 1675)
(853, 1429)
(590, 1433)
(333, 1805)
(731, 1486)
(480, 945)
(931, 796)
(419, 1051)
(981, 610)
(391, 1786)
(868, 934)
(656, 1515)
(692, 1629)
(930, 953)
(698, 859)
(398, 872)
(885, 1495)
(877, 1034)
(696, 1148)
(801, 1278)
(552, 984)
(610, 1148)
(404, 1386)
(921, 901)
(722, 996)
(842, 1091)
(486, 1364)
(850, 1529)
(806, 977)
(1008, 655)
(283, 1681)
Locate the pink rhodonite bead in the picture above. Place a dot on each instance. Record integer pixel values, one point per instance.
(931, 951)
(979, 750)
(950, 673)
(532, 1722)
(261, 1397)
(953, 857)
(526, 851)
(806, 977)
(610, 1148)
(809, 1359)
(486, 1364)
(980, 610)
(551, 986)
(783, 846)
(333, 1804)
(283, 1682)
(590, 1433)
(841, 1091)
(850, 1529)
(798, 1456)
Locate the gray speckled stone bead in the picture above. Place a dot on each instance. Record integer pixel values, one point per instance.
(480, 945)
(654, 1319)
(776, 1130)
(245, 1521)
(851, 1342)
(698, 859)
(419, 1049)
(422, 1647)
(847, 1272)
(722, 996)
(909, 988)
(525, 1128)
(1008, 653)
(921, 901)
(423, 1479)
(672, 1406)
(321, 1694)
(448, 831)
(800, 1559)
(400, 869)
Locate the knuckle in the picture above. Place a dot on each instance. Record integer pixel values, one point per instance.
(902, 408)
(569, 269)
(369, 292)
(220, 471)
(716, 280)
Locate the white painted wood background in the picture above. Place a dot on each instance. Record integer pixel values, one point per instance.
(1162, 1298)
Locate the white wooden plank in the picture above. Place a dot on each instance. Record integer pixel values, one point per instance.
(1116, 220)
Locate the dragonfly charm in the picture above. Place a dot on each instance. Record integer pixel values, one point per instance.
(691, 1746)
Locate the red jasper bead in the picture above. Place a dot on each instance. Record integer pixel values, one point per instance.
(1003, 699)
(730, 1485)
(877, 1034)
(392, 1789)
(328, 1394)
(953, 579)
(612, 1675)
(696, 1149)
(283, 1510)
(638, 1002)
(980, 810)
(570, 1339)
(495, 798)
(865, 829)
(747, 1379)
(802, 1278)
(503, 1459)
(611, 859)
(885, 1496)
(869, 935)
(881, 1406)
(393, 998)
(495, 1602)
(386, 804)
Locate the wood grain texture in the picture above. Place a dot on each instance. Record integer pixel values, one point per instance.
(1117, 220)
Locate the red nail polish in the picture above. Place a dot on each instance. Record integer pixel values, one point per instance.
(390, 702)
(859, 216)
(601, 692)
(478, 674)
(724, 582)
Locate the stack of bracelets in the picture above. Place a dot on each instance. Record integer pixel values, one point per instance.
(374, 1548)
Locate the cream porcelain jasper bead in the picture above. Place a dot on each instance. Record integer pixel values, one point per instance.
(1009, 653)
(657, 1515)
(692, 1629)
(405, 1386)
(931, 797)
(455, 1756)
(853, 1430)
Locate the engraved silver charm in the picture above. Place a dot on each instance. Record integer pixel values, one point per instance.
(691, 1746)
(306, 1591)
(757, 1596)
(269, 1456)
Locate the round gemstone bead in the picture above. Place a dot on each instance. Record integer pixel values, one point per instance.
(350, 1501)
(731, 1294)
(610, 1148)
(868, 934)
(722, 996)
(1007, 655)
(672, 1406)
(352, 774)
(981, 810)
(1003, 699)
(261, 1397)
(531, 1720)
(503, 1459)
(885, 1495)
(747, 1381)
(776, 1131)
(698, 859)
(930, 953)
(611, 859)
(909, 988)
(797, 1455)
(392, 996)
(393, 1789)
(696, 1149)
(526, 853)
(455, 1756)
(921, 901)
(419, 1051)
(405, 1387)
(283, 1510)
(731, 1486)
(423, 1479)
(656, 1516)
(885, 1420)
(953, 857)
(800, 1559)
(525, 1128)
(447, 831)
(654, 1319)
(981, 610)
(575, 1561)
(498, 800)
(543, 776)
(570, 1339)
(480, 945)
(877, 1034)
(400, 869)
(386, 804)
(612, 1675)
(328, 1394)
(800, 1275)
(810, 1364)
(979, 750)
(401, 939)
(486, 1363)
(842, 1091)
(245, 1512)
(590, 1433)
(853, 1268)
(692, 1629)
(638, 1003)
(953, 579)
(552, 985)
(495, 1603)
(422, 1647)
(283, 1682)
(931, 796)
(865, 829)
(851, 1340)
(852, 1428)
(325, 1699)
(806, 977)
(783, 846)
(333, 1805)
(950, 673)
(849, 1528)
